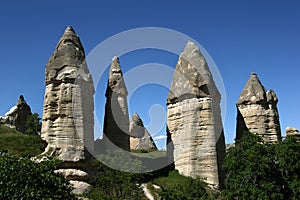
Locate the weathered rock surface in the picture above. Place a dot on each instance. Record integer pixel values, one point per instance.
(80, 187)
(73, 174)
(140, 137)
(116, 119)
(257, 111)
(68, 115)
(16, 117)
(290, 131)
(195, 132)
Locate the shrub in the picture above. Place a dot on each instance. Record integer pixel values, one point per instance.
(21, 178)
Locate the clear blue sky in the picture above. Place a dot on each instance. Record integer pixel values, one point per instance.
(240, 36)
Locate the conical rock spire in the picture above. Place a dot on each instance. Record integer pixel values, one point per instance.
(192, 77)
(68, 115)
(195, 133)
(116, 82)
(69, 57)
(116, 119)
(140, 137)
(257, 111)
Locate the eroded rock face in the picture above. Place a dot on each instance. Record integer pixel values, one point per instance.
(16, 117)
(195, 132)
(116, 119)
(140, 137)
(257, 111)
(68, 120)
(290, 131)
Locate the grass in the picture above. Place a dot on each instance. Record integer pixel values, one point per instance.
(152, 154)
(173, 179)
(20, 144)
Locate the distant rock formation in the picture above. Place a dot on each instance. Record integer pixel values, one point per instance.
(292, 132)
(195, 131)
(116, 119)
(68, 115)
(257, 111)
(140, 137)
(17, 116)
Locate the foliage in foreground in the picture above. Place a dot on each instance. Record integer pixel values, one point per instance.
(21, 178)
(177, 187)
(114, 184)
(256, 170)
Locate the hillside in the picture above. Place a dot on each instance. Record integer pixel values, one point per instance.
(20, 144)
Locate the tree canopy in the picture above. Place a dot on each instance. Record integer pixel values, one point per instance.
(256, 170)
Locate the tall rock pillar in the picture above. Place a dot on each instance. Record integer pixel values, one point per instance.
(116, 120)
(68, 116)
(195, 131)
(257, 111)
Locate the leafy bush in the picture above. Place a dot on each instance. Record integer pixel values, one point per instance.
(113, 184)
(177, 187)
(21, 178)
(256, 170)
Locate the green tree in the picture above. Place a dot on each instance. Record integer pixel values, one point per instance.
(288, 155)
(256, 170)
(21, 178)
(114, 184)
(180, 187)
(33, 124)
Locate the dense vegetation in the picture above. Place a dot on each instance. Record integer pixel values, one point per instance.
(111, 184)
(20, 144)
(21, 178)
(177, 187)
(256, 170)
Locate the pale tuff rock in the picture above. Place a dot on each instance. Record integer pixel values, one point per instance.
(16, 117)
(73, 174)
(140, 137)
(116, 119)
(290, 131)
(68, 116)
(257, 111)
(195, 133)
(80, 187)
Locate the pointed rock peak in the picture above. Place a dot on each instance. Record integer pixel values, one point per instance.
(115, 66)
(192, 77)
(115, 80)
(21, 98)
(137, 120)
(67, 58)
(272, 97)
(254, 92)
(190, 48)
(253, 74)
(70, 37)
(70, 29)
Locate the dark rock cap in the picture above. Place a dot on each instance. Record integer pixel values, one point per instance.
(69, 53)
(255, 93)
(192, 77)
(116, 82)
(136, 120)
